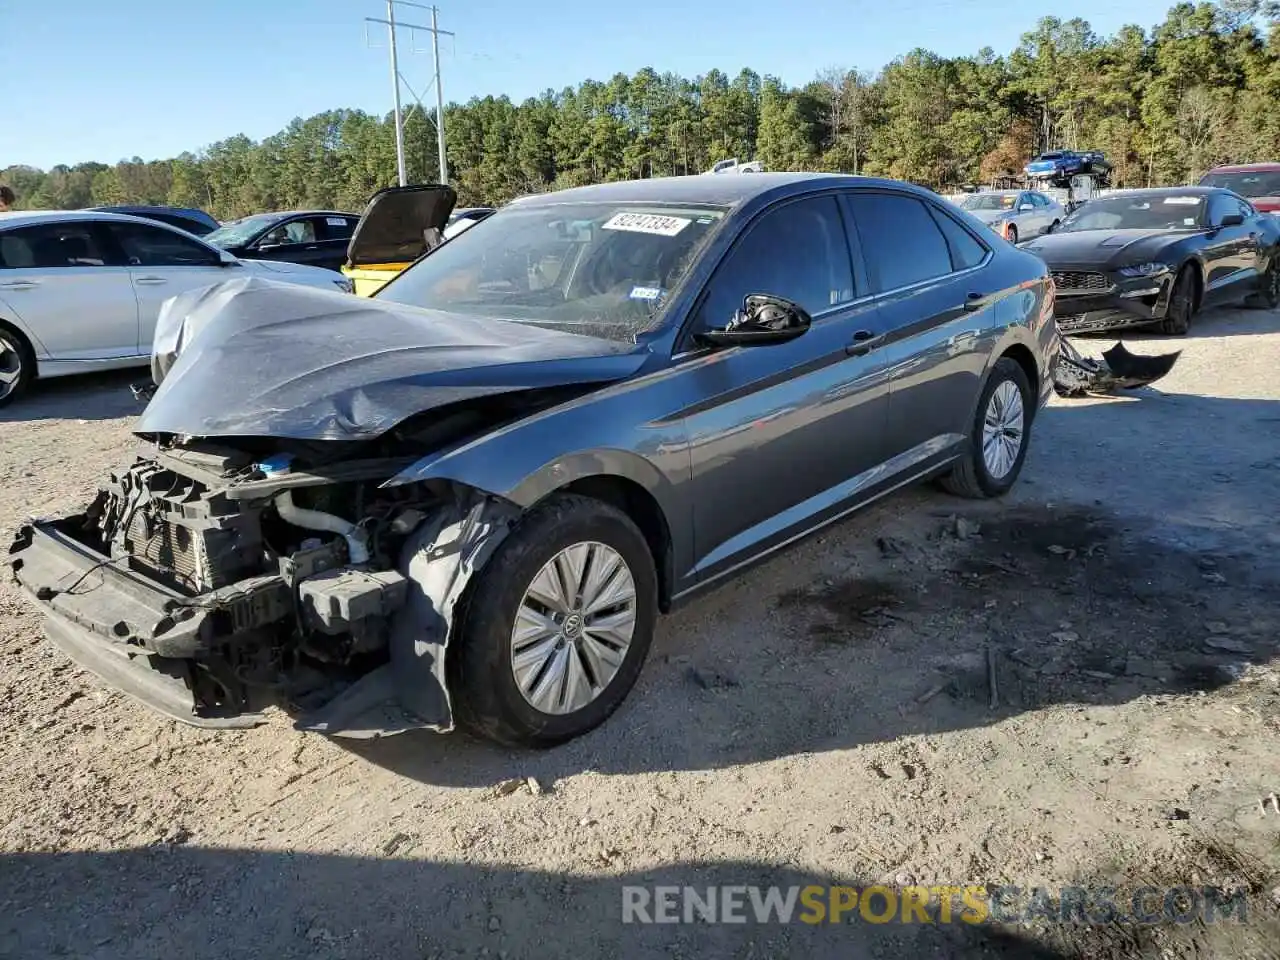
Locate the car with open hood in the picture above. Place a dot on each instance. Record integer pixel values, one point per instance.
(466, 499)
(399, 225)
(82, 290)
(1155, 257)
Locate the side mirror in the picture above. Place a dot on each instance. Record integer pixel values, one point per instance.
(1232, 220)
(763, 320)
(1026, 206)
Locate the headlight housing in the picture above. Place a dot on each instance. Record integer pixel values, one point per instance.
(1144, 269)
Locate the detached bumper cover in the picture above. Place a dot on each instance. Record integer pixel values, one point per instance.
(1075, 375)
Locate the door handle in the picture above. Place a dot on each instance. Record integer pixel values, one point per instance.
(18, 284)
(314, 246)
(975, 301)
(150, 281)
(864, 341)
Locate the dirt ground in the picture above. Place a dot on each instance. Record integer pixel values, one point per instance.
(828, 719)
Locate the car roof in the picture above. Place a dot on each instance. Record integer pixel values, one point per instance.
(1268, 167)
(720, 190)
(1164, 192)
(17, 218)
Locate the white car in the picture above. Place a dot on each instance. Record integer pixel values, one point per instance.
(1014, 214)
(80, 290)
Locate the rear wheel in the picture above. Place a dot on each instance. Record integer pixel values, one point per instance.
(17, 364)
(557, 627)
(1182, 305)
(999, 437)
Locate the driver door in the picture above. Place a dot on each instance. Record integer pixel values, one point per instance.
(783, 435)
(1227, 263)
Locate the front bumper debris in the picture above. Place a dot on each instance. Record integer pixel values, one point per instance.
(127, 630)
(1075, 375)
(163, 648)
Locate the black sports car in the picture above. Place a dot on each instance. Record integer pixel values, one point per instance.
(1138, 257)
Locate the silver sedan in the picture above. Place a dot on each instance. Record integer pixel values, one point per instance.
(1015, 214)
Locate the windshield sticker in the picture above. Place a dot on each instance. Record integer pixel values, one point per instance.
(336, 221)
(646, 293)
(647, 223)
(1185, 201)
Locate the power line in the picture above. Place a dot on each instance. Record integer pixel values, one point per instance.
(397, 78)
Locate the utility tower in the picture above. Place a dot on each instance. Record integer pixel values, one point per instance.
(396, 79)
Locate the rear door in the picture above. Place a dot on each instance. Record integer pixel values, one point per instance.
(937, 304)
(162, 263)
(784, 435)
(69, 289)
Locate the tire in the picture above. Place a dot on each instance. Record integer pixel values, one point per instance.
(1012, 234)
(487, 696)
(974, 477)
(1182, 306)
(1268, 295)
(17, 364)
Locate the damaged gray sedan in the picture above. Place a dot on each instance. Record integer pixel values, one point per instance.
(466, 499)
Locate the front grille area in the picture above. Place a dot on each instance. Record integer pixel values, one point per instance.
(1077, 280)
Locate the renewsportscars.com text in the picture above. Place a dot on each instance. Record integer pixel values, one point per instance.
(973, 904)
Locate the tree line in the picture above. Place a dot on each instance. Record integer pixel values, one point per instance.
(1200, 88)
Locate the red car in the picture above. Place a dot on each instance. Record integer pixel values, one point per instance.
(1259, 183)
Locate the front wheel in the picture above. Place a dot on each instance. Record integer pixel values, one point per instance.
(1182, 305)
(557, 626)
(999, 436)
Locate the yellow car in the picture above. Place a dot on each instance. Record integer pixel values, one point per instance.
(399, 225)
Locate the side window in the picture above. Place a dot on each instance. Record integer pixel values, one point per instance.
(1039, 200)
(338, 228)
(154, 247)
(295, 231)
(51, 245)
(1219, 207)
(966, 252)
(900, 241)
(797, 251)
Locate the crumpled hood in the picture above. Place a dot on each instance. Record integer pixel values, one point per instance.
(256, 357)
(1102, 248)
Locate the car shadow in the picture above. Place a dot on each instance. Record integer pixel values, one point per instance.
(1106, 576)
(94, 396)
(199, 902)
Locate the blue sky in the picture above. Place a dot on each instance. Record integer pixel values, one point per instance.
(106, 81)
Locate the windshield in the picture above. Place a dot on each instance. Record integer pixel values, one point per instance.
(1148, 212)
(1252, 184)
(237, 232)
(988, 201)
(598, 269)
